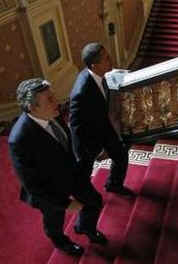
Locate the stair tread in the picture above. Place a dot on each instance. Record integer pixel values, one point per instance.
(142, 234)
(139, 157)
(143, 229)
(161, 42)
(161, 11)
(156, 36)
(112, 223)
(161, 25)
(162, 30)
(164, 19)
(159, 48)
(168, 248)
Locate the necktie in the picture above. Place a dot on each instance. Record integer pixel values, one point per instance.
(105, 88)
(59, 134)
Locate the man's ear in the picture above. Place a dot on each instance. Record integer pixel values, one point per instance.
(92, 67)
(31, 108)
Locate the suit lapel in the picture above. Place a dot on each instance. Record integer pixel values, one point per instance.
(41, 133)
(97, 92)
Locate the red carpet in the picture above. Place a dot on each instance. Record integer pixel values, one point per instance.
(145, 224)
(141, 229)
(113, 219)
(159, 41)
(139, 158)
(167, 250)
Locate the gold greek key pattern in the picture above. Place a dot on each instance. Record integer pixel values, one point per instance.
(136, 157)
(105, 164)
(166, 151)
(139, 157)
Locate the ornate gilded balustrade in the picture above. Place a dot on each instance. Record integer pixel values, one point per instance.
(147, 102)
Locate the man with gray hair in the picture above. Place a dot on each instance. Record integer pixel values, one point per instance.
(41, 152)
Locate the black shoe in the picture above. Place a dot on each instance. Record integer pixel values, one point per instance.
(119, 190)
(95, 237)
(70, 247)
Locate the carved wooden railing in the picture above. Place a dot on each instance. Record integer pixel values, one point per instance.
(146, 103)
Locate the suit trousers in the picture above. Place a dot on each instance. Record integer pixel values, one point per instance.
(117, 152)
(53, 217)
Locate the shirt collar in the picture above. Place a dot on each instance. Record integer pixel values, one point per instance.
(96, 77)
(41, 122)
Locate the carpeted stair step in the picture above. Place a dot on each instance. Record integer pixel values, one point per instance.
(60, 257)
(143, 231)
(160, 42)
(112, 223)
(145, 223)
(115, 215)
(168, 2)
(164, 5)
(139, 157)
(150, 48)
(147, 61)
(164, 11)
(164, 19)
(148, 36)
(156, 56)
(163, 162)
(168, 246)
(161, 25)
(168, 31)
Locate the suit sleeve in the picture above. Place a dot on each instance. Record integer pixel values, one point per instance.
(78, 124)
(24, 166)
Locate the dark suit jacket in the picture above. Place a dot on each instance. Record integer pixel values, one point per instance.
(89, 121)
(45, 170)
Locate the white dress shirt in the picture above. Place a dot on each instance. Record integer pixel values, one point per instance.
(45, 125)
(98, 81)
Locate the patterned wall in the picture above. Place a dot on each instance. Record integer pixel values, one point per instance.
(7, 4)
(15, 64)
(83, 24)
(133, 19)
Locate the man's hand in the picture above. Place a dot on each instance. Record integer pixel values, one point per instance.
(102, 156)
(74, 205)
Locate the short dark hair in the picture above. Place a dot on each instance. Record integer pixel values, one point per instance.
(91, 53)
(27, 91)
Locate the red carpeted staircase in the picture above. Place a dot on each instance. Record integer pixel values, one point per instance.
(141, 229)
(160, 39)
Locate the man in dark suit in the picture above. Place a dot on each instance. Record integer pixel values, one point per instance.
(92, 131)
(41, 152)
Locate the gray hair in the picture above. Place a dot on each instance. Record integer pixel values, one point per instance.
(91, 53)
(27, 91)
